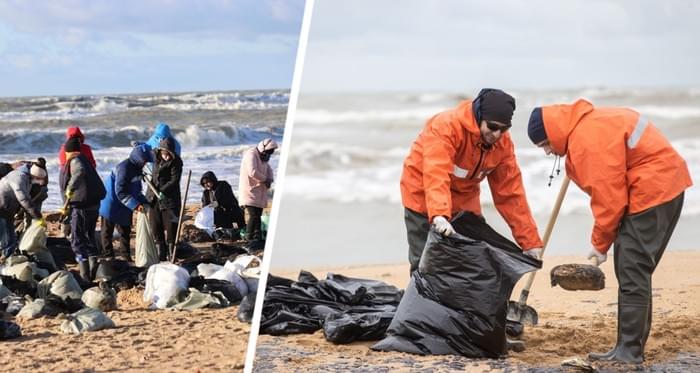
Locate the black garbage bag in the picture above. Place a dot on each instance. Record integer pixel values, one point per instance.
(456, 303)
(185, 250)
(223, 250)
(60, 250)
(229, 290)
(342, 328)
(9, 330)
(18, 287)
(191, 263)
(303, 306)
(245, 310)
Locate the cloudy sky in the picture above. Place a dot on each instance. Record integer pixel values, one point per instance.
(128, 46)
(381, 45)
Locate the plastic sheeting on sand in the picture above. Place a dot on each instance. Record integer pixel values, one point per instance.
(306, 305)
(456, 303)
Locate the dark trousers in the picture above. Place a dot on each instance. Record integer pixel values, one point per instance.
(8, 237)
(82, 240)
(253, 223)
(163, 224)
(640, 243)
(107, 232)
(417, 227)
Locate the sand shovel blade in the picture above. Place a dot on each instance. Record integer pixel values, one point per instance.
(522, 312)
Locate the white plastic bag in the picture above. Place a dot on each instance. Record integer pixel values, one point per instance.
(164, 282)
(146, 252)
(207, 269)
(227, 275)
(61, 284)
(204, 219)
(33, 239)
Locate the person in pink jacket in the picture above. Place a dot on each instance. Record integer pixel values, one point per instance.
(255, 180)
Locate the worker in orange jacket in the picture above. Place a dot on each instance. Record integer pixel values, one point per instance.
(457, 150)
(636, 181)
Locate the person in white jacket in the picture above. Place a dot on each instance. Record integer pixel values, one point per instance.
(255, 180)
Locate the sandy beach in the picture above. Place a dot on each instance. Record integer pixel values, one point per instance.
(143, 341)
(571, 325)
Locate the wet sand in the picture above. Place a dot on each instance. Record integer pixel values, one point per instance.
(143, 340)
(571, 325)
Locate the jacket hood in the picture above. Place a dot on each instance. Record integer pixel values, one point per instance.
(560, 121)
(75, 132)
(140, 155)
(208, 175)
(162, 131)
(465, 115)
(168, 144)
(266, 144)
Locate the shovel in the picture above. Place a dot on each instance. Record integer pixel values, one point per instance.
(520, 311)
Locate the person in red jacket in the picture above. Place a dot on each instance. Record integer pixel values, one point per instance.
(86, 150)
(636, 181)
(457, 150)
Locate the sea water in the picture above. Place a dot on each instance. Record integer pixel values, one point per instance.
(346, 158)
(213, 128)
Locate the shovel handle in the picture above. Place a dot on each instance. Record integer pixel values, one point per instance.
(547, 234)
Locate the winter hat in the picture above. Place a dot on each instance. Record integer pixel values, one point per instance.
(37, 172)
(494, 104)
(72, 145)
(267, 145)
(535, 128)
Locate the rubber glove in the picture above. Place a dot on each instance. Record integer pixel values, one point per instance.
(161, 196)
(600, 258)
(42, 222)
(69, 194)
(534, 253)
(443, 226)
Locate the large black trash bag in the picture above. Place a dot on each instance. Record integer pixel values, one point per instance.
(344, 327)
(304, 305)
(9, 330)
(245, 310)
(229, 290)
(456, 303)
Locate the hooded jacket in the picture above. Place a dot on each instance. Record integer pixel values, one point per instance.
(123, 187)
(166, 178)
(252, 190)
(85, 149)
(15, 190)
(446, 164)
(162, 131)
(228, 210)
(79, 176)
(617, 157)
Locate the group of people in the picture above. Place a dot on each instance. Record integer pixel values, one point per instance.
(113, 200)
(634, 177)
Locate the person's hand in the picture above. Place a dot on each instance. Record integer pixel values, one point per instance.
(535, 253)
(69, 194)
(214, 204)
(443, 226)
(597, 256)
(41, 222)
(139, 208)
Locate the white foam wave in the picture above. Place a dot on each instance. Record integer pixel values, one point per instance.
(353, 174)
(670, 112)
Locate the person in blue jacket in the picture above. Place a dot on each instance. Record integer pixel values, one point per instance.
(162, 132)
(124, 196)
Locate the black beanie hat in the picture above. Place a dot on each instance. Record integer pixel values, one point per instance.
(494, 104)
(72, 145)
(535, 128)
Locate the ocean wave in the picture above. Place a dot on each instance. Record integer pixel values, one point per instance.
(353, 174)
(670, 112)
(28, 140)
(79, 107)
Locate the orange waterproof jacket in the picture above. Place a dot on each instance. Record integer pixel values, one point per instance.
(618, 158)
(442, 172)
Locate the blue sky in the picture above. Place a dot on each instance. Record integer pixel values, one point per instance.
(137, 46)
(462, 45)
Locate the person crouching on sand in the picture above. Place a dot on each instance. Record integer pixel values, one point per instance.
(636, 181)
(218, 194)
(454, 153)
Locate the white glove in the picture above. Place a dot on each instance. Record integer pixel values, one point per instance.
(534, 253)
(599, 258)
(443, 226)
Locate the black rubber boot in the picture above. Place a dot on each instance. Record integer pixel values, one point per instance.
(127, 255)
(92, 264)
(631, 319)
(608, 355)
(162, 252)
(84, 268)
